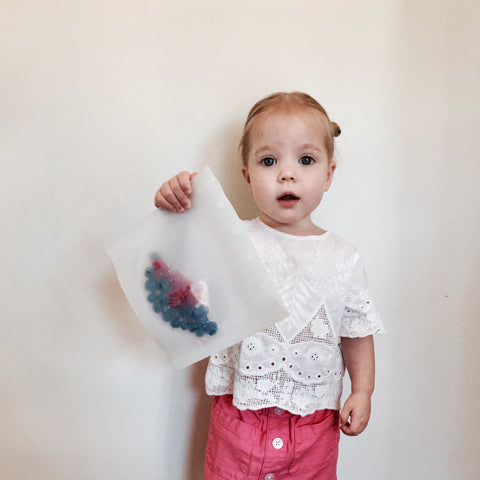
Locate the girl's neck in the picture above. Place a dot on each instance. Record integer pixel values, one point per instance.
(303, 229)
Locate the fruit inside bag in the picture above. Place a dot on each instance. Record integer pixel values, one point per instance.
(194, 279)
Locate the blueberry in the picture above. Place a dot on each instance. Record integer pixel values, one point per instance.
(150, 284)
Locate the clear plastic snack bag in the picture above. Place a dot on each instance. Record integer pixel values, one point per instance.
(195, 279)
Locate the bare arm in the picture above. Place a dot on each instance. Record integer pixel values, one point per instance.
(359, 357)
(174, 194)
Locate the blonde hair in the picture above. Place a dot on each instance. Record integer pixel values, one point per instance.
(290, 102)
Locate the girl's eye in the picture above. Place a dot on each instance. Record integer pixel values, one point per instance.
(306, 160)
(268, 162)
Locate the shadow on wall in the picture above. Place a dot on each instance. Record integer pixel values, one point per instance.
(200, 421)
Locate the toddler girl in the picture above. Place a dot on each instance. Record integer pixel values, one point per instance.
(276, 409)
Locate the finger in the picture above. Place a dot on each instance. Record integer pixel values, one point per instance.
(351, 430)
(347, 430)
(180, 188)
(174, 195)
(166, 199)
(344, 415)
(355, 426)
(169, 198)
(161, 202)
(346, 424)
(185, 181)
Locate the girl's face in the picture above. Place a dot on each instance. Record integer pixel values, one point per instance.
(288, 169)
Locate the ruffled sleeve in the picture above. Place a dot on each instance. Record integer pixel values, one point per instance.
(359, 316)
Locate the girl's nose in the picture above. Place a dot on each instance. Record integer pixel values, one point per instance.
(286, 175)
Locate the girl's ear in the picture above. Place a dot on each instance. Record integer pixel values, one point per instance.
(246, 176)
(331, 169)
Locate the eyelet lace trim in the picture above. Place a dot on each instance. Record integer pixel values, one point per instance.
(360, 317)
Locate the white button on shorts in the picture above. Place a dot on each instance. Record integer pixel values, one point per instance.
(269, 476)
(277, 443)
(278, 411)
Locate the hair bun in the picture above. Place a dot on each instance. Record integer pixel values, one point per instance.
(336, 130)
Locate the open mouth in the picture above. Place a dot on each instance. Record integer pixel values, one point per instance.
(288, 200)
(288, 197)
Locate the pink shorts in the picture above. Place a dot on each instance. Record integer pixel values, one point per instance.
(270, 444)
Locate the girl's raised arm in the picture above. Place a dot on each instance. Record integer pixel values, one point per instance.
(174, 194)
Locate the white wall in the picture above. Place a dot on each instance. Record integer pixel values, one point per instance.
(101, 101)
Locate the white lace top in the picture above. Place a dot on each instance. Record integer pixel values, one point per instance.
(296, 364)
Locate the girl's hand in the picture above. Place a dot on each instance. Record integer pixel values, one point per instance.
(174, 194)
(355, 414)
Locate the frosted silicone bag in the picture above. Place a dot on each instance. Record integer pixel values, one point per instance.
(209, 248)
